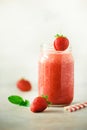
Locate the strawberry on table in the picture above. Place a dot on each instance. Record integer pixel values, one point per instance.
(61, 42)
(39, 104)
(24, 85)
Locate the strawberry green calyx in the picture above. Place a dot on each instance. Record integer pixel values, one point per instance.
(58, 35)
(46, 97)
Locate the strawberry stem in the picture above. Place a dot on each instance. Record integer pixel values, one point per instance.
(46, 97)
(58, 35)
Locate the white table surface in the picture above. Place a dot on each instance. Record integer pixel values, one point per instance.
(13, 117)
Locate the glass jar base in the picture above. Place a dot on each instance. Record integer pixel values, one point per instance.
(59, 105)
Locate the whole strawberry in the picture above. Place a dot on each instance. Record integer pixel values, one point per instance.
(39, 104)
(24, 85)
(61, 43)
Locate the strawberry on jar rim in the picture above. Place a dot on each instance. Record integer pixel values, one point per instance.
(61, 42)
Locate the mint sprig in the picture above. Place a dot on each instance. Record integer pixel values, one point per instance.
(18, 100)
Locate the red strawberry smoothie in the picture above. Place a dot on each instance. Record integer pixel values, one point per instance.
(56, 76)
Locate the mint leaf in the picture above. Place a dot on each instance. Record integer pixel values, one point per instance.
(18, 100)
(15, 99)
(25, 103)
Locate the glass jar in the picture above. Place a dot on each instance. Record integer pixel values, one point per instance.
(56, 75)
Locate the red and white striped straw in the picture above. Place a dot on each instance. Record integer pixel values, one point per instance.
(76, 107)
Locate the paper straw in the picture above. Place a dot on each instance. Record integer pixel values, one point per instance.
(76, 107)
